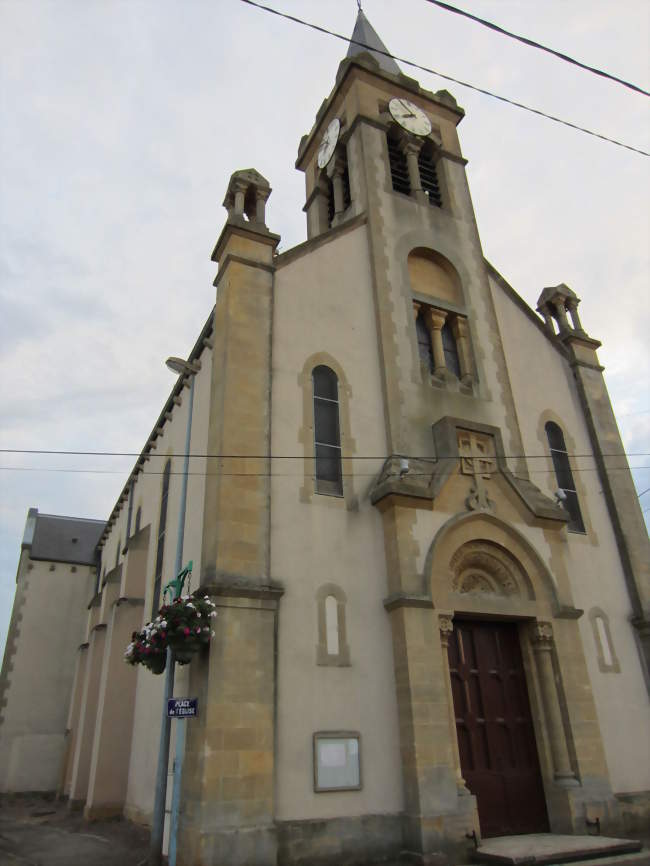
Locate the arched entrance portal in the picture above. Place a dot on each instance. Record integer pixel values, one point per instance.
(494, 727)
(496, 594)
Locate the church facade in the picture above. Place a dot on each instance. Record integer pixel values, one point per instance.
(412, 511)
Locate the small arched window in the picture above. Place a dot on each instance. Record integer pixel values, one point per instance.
(327, 432)
(138, 520)
(117, 552)
(450, 349)
(160, 552)
(424, 341)
(564, 476)
(332, 625)
(332, 648)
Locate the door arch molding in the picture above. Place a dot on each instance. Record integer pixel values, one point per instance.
(517, 581)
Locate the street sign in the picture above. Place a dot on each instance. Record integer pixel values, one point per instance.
(182, 708)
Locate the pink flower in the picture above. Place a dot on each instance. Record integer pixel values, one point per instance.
(198, 631)
(186, 631)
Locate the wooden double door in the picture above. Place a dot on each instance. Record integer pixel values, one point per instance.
(496, 740)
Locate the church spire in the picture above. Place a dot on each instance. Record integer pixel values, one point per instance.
(365, 33)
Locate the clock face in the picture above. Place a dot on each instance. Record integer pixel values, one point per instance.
(408, 115)
(328, 143)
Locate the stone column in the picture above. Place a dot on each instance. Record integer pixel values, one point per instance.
(261, 195)
(572, 304)
(336, 170)
(562, 320)
(459, 327)
(446, 624)
(542, 640)
(411, 148)
(548, 321)
(436, 320)
(240, 193)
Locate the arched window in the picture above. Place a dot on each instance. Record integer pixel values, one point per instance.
(424, 341)
(450, 349)
(327, 433)
(138, 520)
(332, 647)
(608, 663)
(162, 524)
(332, 626)
(564, 476)
(117, 552)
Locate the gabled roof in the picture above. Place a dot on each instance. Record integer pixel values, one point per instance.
(65, 539)
(365, 33)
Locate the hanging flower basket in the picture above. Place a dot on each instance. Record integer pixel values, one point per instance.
(187, 623)
(183, 626)
(149, 648)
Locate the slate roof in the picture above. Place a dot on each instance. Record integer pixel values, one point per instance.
(65, 539)
(365, 32)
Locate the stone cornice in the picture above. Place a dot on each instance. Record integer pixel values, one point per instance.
(242, 260)
(404, 599)
(237, 226)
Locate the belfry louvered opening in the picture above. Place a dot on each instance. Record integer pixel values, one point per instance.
(429, 175)
(398, 166)
(347, 199)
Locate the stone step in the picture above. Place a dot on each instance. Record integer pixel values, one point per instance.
(552, 849)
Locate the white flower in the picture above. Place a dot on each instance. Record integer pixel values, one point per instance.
(213, 613)
(163, 624)
(213, 634)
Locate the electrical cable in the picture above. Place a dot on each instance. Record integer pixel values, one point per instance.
(458, 81)
(532, 44)
(66, 453)
(203, 474)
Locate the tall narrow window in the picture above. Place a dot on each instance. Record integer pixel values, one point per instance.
(332, 625)
(162, 523)
(424, 341)
(564, 476)
(450, 349)
(138, 520)
(429, 175)
(327, 433)
(398, 167)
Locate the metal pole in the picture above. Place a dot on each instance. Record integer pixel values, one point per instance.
(180, 723)
(158, 823)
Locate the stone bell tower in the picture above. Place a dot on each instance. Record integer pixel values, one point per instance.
(228, 782)
(386, 150)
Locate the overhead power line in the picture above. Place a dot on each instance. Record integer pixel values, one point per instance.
(273, 474)
(531, 43)
(458, 81)
(68, 453)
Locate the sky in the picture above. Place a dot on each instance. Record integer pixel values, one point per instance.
(121, 122)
